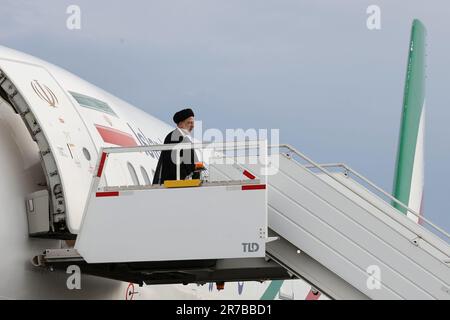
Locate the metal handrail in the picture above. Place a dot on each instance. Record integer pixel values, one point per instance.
(321, 168)
(253, 144)
(194, 145)
(245, 145)
(326, 165)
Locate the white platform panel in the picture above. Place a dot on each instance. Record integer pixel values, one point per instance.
(208, 222)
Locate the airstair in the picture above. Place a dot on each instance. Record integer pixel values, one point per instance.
(326, 224)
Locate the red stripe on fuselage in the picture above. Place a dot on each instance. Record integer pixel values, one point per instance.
(117, 137)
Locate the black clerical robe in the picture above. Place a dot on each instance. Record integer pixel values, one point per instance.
(166, 168)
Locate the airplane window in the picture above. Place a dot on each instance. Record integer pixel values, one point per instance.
(145, 175)
(133, 174)
(87, 155)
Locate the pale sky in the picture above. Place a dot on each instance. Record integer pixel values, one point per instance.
(309, 68)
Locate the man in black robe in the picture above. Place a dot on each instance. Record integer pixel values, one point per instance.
(166, 168)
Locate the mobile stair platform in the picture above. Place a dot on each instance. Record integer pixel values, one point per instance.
(269, 214)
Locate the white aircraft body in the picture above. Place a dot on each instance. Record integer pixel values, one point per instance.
(79, 119)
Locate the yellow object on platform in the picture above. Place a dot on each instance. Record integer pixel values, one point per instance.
(182, 183)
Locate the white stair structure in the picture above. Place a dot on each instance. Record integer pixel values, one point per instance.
(336, 230)
(337, 222)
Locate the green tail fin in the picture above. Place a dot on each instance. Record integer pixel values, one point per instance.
(409, 177)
